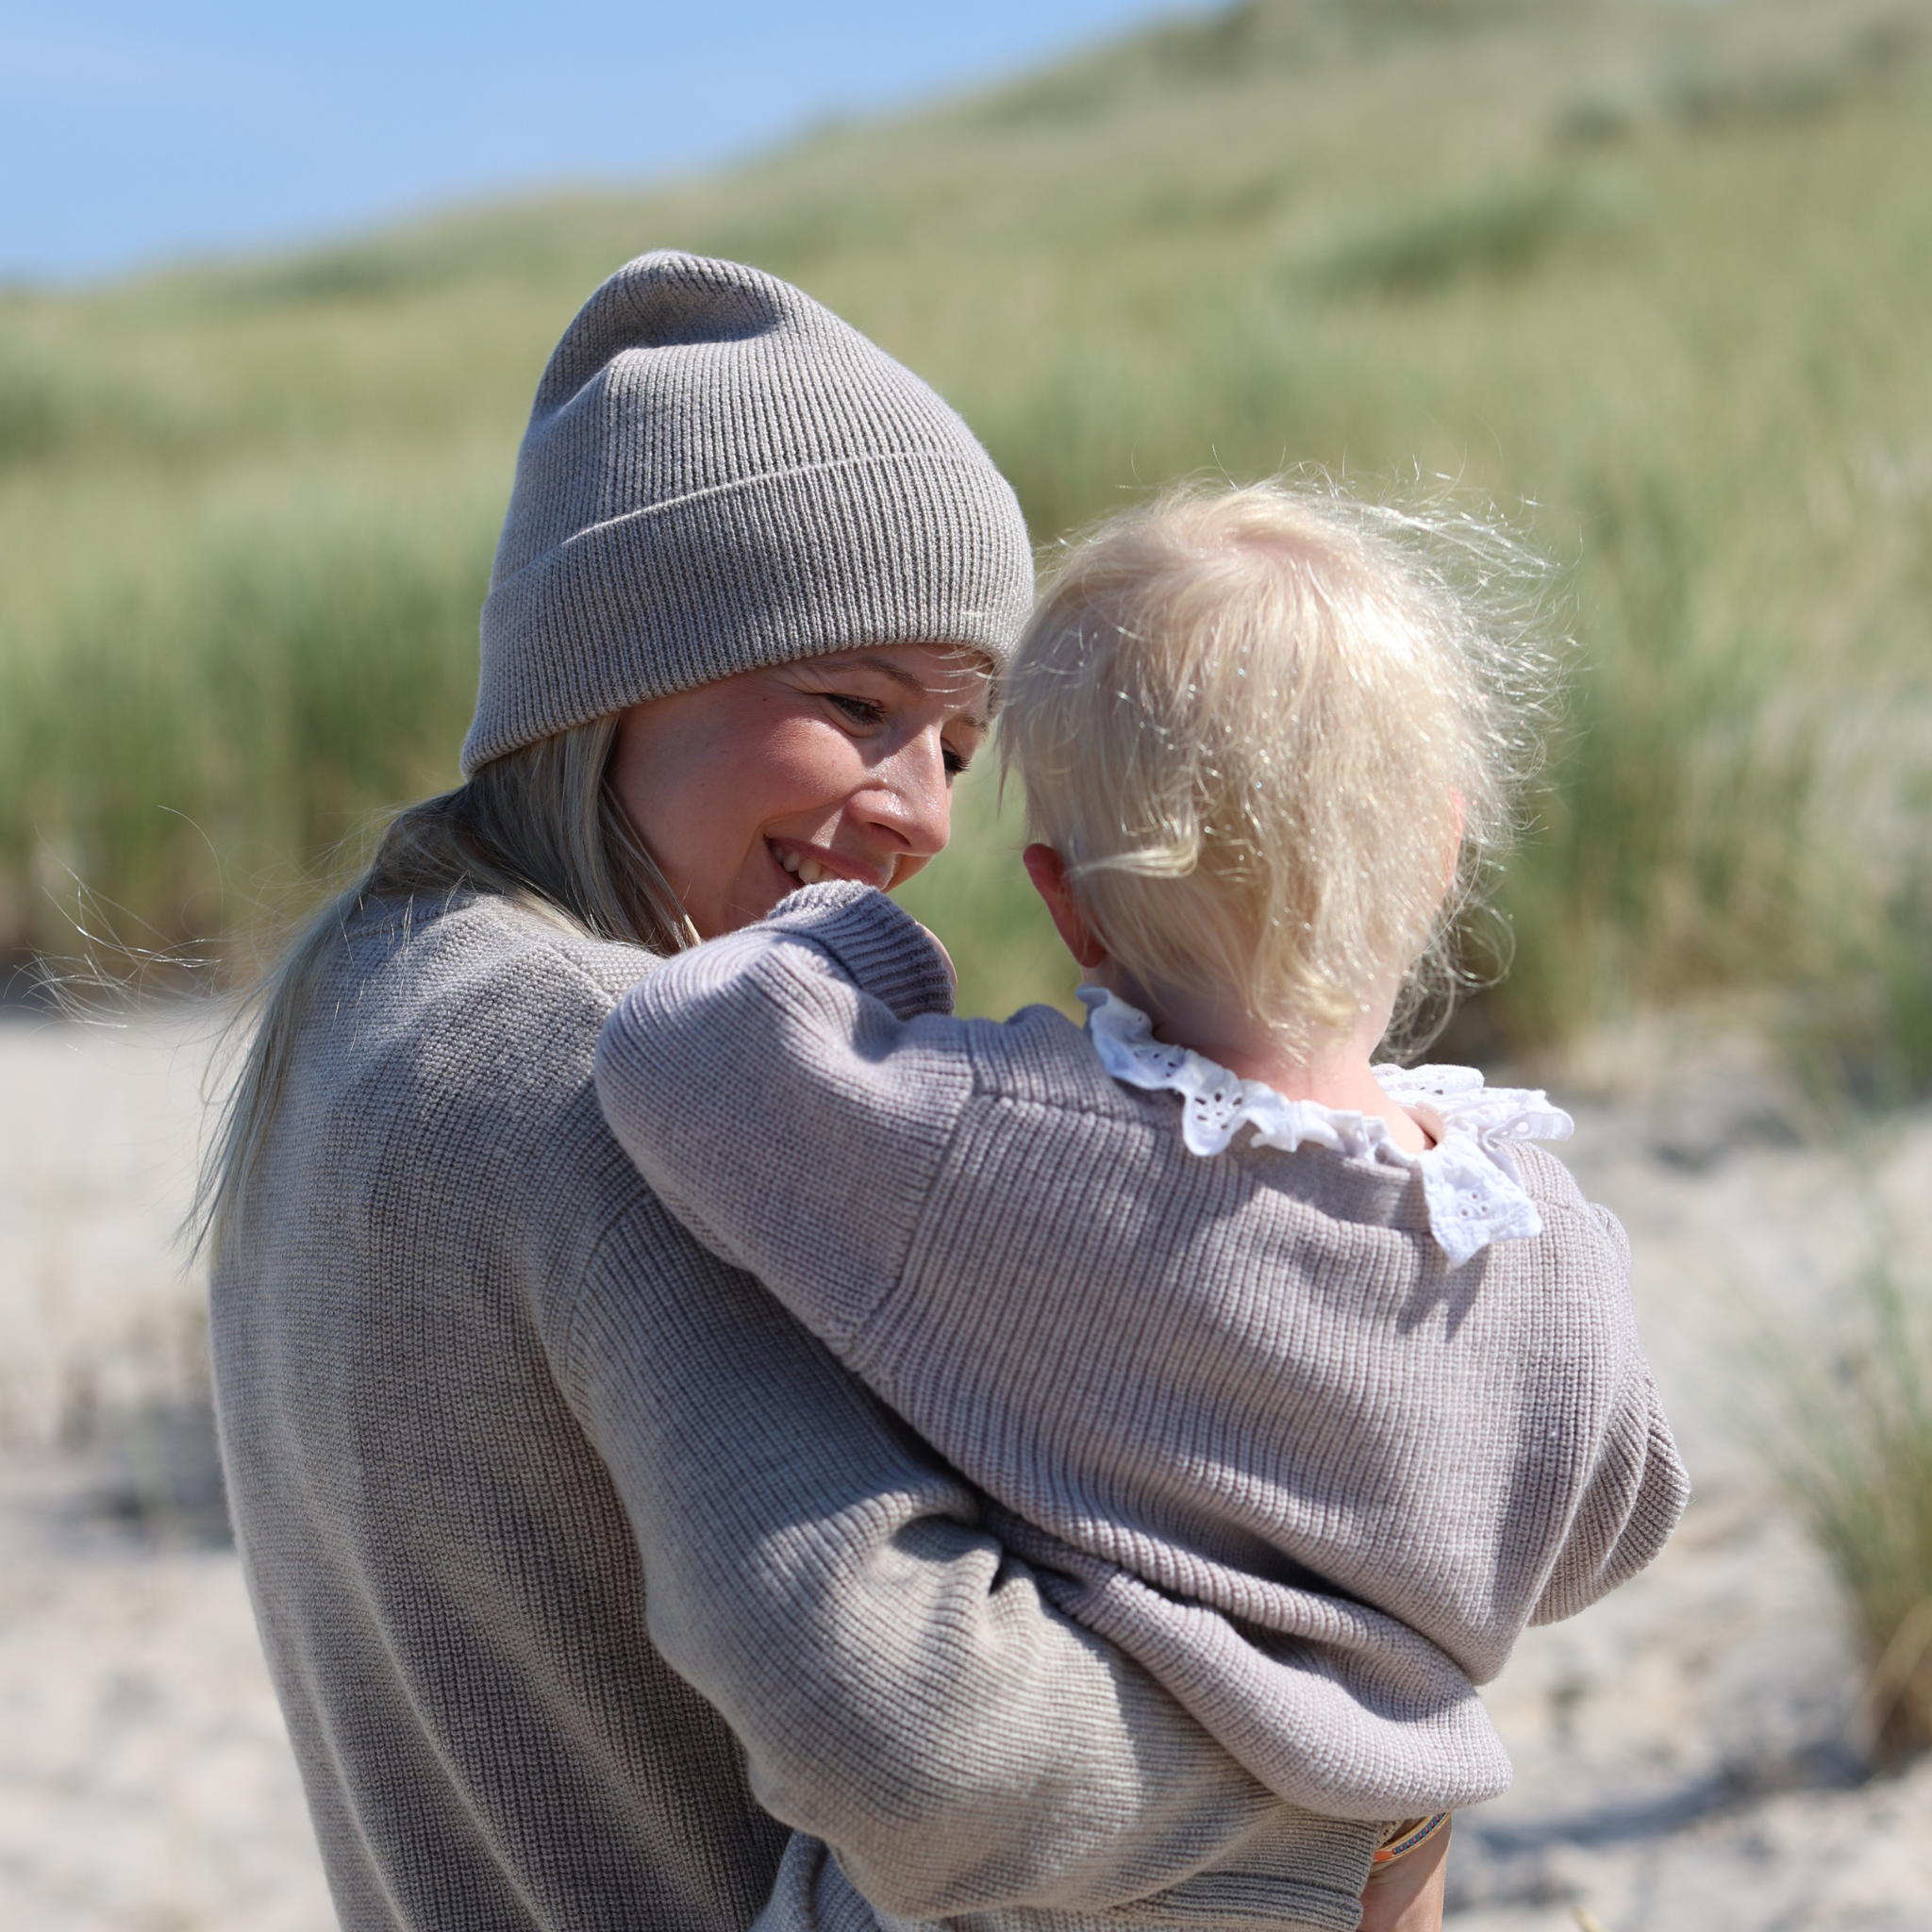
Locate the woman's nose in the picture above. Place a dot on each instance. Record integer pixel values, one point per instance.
(915, 801)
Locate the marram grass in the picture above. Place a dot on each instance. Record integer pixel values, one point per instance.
(1852, 1449)
(1653, 276)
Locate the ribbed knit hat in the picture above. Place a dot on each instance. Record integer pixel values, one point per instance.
(718, 474)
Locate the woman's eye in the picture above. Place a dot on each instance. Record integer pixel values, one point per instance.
(860, 711)
(954, 762)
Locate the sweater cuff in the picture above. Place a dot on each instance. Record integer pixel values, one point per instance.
(883, 950)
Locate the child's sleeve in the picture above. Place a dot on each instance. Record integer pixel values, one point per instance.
(1637, 1491)
(1638, 1486)
(789, 1092)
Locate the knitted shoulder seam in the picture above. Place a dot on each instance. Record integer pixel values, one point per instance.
(617, 1222)
(598, 990)
(946, 1148)
(575, 1388)
(864, 1332)
(1588, 1214)
(985, 1089)
(575, 1384)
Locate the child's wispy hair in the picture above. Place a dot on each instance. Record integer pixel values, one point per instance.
(1277, 734)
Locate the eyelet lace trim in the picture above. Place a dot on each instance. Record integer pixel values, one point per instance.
(1471, 1182)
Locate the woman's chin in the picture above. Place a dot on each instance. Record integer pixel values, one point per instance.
(755, 898)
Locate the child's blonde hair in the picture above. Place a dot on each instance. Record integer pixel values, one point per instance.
(1275, 734)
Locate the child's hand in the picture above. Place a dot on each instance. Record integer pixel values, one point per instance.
(1406, 1895)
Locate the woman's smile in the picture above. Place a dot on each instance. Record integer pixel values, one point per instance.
(838, 767)
(809, 866)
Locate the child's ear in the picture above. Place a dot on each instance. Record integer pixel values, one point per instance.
(1049, 876)
(1451, 856)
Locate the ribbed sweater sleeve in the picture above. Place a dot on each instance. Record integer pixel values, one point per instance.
(777, 1092)
(1637, 1488)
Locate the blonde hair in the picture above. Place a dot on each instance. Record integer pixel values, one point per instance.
(1275, 735)
(540, 825)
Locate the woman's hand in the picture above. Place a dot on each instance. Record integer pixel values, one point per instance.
(1406, 1894)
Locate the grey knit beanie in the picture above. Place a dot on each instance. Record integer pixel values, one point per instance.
(718, 474)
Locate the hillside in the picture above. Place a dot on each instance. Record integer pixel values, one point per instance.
(1660, 271)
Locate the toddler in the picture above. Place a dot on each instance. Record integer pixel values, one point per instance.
(1307, 1383)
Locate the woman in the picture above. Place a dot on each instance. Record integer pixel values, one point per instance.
(582, 1572)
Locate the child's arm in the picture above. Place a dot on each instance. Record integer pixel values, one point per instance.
(1407, 1895)
(1638, 1488)
(782, 1096)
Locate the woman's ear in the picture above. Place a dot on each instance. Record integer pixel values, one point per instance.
(1048, 872)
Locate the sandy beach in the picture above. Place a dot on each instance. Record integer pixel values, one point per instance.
(1686, 1752)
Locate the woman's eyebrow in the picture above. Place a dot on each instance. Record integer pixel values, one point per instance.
(917, 686)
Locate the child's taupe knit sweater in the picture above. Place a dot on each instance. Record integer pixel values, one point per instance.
(1258, 1433)
(579, 1564)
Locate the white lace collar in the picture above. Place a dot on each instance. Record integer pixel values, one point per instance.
(1469, 1178)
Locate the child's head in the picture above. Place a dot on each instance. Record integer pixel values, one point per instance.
(1269, 745)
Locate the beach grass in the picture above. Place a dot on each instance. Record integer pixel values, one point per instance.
(1852, 1445)
(1652, 276)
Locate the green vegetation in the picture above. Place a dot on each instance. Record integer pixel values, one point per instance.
(1661, 271)
(1853, 1446)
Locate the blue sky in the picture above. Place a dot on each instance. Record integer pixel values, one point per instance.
(132, 133)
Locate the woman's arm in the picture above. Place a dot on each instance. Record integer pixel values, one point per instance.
(901, 1691)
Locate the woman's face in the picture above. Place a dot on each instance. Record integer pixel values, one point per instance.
(836, 767)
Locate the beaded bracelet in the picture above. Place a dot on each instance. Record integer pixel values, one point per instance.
(1412, 1836)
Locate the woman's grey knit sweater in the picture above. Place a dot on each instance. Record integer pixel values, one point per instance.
(1241, 1411)
(579, 1565)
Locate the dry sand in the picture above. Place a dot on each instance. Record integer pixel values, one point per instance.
(1681, 1750)
(145, 1778)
